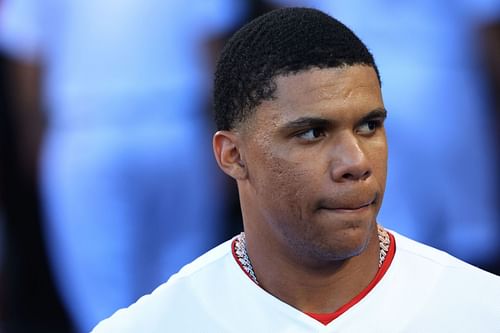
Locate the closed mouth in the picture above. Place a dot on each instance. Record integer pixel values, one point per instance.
(349, 207)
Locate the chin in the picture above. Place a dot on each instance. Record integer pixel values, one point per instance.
(350, 240)
(332, 245)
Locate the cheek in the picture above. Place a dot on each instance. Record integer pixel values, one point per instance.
(378, 160)
(284, 184)
(286, 198)
(283, 177)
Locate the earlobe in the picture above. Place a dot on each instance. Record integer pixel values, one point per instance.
(228, 154)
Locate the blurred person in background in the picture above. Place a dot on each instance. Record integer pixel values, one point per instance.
(129, 186)
(441, 129)
(28, 301)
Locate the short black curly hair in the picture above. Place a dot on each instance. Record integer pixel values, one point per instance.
(280, 42)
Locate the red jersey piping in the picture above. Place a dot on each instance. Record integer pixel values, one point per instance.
(326, 318)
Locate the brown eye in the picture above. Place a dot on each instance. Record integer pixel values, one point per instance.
(369, 127)
(311, 134)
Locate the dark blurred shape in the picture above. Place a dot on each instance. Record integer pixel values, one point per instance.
(489, 34)
(28, 299)
(129, 187)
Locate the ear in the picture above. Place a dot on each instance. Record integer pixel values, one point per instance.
(227, 152)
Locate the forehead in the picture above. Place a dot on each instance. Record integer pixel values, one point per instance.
(324, 83)
(344, 92)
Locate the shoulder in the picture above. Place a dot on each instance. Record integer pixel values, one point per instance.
(431, 257)
(180, 297)
(418, 265)
(414, 255)
(436, 288)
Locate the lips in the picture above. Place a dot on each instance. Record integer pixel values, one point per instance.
(347, 204)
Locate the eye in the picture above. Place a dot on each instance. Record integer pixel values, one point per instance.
(311, 134)
(369, 127)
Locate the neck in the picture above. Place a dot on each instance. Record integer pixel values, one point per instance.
(318, 288)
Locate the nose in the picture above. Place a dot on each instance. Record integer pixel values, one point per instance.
(349, 161)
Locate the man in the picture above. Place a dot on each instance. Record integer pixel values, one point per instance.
(300, 116)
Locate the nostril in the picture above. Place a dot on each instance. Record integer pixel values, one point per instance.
(348, 176)
(366, 175)
(356, 176)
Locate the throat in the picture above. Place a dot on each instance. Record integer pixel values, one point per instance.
(320, 293)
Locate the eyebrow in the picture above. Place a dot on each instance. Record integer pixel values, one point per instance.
(377, 113)
(304, 122)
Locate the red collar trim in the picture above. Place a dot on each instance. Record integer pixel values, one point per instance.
(326, 318)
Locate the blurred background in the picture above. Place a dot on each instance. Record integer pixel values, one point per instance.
(107, 180)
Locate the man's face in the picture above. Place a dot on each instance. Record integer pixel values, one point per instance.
(316, 158)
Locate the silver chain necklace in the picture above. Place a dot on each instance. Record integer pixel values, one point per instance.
(240, 249)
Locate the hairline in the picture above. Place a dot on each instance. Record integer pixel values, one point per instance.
(242, 124)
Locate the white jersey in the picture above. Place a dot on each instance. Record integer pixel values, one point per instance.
(423, 290)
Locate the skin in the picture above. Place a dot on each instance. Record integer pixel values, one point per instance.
(311, 170)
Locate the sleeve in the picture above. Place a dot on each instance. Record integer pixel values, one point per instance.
(21, 29)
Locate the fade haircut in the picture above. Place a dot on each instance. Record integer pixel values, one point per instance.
(281, 42)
